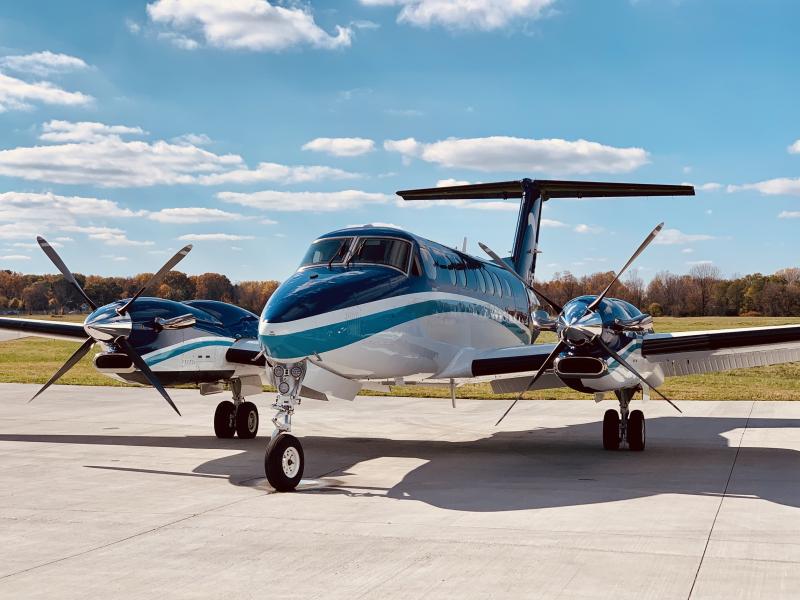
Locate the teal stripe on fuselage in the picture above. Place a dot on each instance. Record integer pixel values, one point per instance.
(344, 333)
(625, 353)
(181, 349)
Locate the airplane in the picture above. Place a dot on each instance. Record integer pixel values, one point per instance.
(376, 305)
(161, 342)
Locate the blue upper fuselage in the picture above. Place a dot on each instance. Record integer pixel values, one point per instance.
(358, 265)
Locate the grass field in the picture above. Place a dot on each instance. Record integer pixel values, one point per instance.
(34, 360)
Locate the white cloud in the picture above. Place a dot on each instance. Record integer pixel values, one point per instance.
(42, 64)
(699, 262)
(794, 148)
(90, 153)
(15, 257)
(687, 250)
(244, 25)
(64, 238)
(675, 237)
(114, 257)
(300, 201)
(449, 182)
(48, 208)
(403, 112)
(352, 146)
(789, 214)
(782, 186)
(34, 245)
(83, 131)
(268, 222)
(192, 215)
(111, 236)
(484, 15)
(214, 237)
(503, 153)
(711, 186)
(275, 172)
(19, 231)
(16, 94)
(179, 40)
(584, 228)
(193, 139)
(96, 154)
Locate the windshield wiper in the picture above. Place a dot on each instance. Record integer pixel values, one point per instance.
(337, 254)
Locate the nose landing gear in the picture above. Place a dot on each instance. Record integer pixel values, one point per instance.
(625, 426)
(284, 460)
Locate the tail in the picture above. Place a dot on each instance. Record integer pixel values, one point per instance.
(533, 193)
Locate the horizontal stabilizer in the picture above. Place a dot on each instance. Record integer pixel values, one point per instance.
(547, 188)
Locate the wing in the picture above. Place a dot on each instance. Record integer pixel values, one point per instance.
(507, 369)
(49, 329)
(696, 352)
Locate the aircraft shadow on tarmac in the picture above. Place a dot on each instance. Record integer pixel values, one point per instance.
(537, 468)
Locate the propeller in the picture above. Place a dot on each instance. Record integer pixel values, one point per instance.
(56, 260)
(111, 329)
(548, 362)
(503, 265)
(588, 327)
(636, 254)
(156, 279)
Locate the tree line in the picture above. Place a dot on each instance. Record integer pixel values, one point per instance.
(702, 291)
(52, 293)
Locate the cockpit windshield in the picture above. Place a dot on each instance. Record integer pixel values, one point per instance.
(382, 251)
(328, 250)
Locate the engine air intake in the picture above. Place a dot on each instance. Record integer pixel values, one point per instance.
(580, 366)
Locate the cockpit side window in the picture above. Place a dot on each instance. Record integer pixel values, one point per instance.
(322, 251)
(382, 251)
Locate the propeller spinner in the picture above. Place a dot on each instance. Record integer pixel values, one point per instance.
(110, 326)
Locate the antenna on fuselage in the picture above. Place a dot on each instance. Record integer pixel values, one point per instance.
(464, 245)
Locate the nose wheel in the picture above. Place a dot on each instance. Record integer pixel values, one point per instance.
(284, 462)
(625, 426)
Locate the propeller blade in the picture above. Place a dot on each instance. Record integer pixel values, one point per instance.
(155, 279)
(548, 362)
(138, 361)
(502, 264)
(71, 361)
(636, 254)
(625, 364)
(56, 260)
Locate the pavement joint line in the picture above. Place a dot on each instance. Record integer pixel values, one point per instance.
(120, 541)
(721, 500)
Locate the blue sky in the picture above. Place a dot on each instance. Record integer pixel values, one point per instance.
(249, 128)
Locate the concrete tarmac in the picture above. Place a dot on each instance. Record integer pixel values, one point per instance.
(106, 493)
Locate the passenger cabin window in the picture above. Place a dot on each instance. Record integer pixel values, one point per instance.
(507, 287)
(382, 251)
(322, 251)
(460, 270)
(489, 282)
(498, 288)
(481, 281)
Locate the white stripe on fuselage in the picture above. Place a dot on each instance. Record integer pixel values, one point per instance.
(377, 306)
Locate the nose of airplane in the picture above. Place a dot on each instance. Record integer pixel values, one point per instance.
(315, 291)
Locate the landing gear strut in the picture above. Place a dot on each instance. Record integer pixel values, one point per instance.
(239, 417)
(625, 426)
(284, 460)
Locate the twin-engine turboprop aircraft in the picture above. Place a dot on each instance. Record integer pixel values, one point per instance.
(165, 343)
(379, 305)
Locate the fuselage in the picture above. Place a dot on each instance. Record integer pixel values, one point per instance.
(377, 302)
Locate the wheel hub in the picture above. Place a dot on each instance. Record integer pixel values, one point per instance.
(290, 461)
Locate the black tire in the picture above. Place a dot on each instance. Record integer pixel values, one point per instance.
(636, 431)
(611, 430)
(247, 421)
(225, 420)
(284, 446)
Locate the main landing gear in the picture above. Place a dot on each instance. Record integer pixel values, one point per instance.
(284, 460)
(239, 417)
(625, 426)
